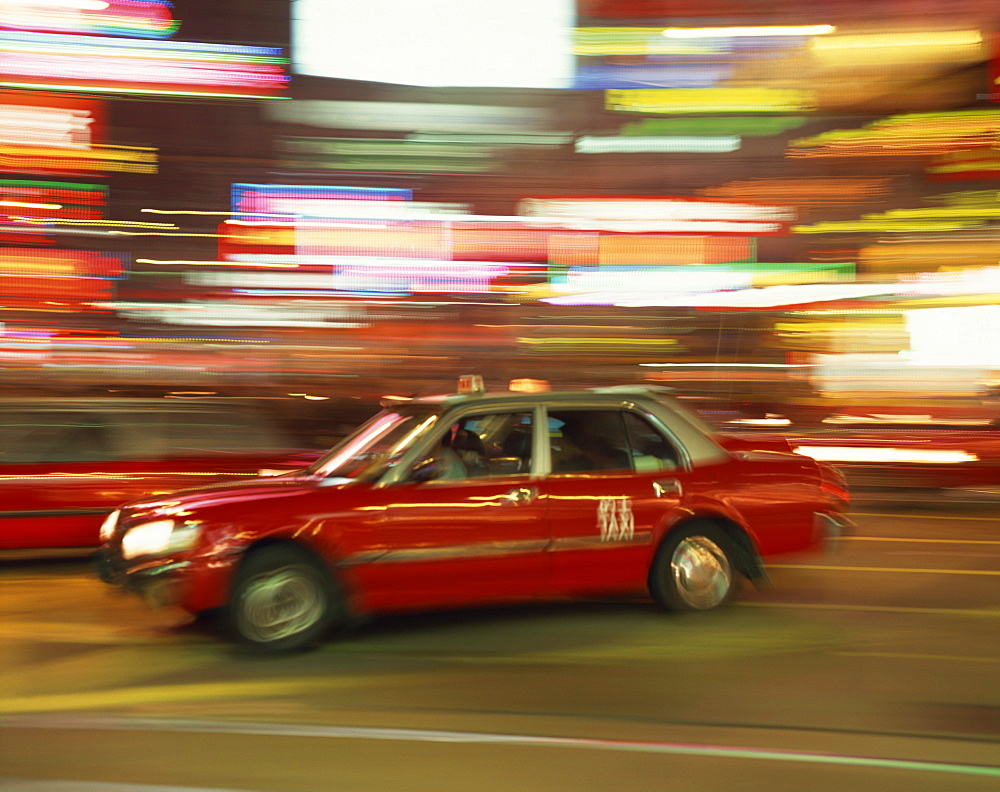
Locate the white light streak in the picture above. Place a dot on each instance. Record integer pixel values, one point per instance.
(926, 456)
(767, 30)
(667, 144)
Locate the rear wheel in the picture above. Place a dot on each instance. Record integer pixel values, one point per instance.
(283, 600)
(693, 569)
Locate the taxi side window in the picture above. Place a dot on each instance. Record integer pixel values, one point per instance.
(607, 440)
(588, 440)
(650, 450)
(481, 446)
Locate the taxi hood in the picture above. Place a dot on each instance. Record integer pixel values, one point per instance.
(227, 493)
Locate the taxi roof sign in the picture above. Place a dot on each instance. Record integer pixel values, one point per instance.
(471, 383)
(529, 385)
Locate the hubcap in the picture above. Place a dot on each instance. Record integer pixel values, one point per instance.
(280, 603)
(701, 572)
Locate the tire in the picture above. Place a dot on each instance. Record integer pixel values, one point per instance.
(283, 600)
(694, 569)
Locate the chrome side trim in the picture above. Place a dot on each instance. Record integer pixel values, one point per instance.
(491, 549)
(477, 550)
(564, 543)
(38, 513)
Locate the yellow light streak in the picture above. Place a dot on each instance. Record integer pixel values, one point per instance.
(852, 43)
(116, 223)
(27, 205)
(634, 41)
(709, 100)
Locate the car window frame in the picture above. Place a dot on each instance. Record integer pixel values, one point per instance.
(424, 447)
(685, 462)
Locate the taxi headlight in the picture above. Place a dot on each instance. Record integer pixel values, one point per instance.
(159, 537)
(109, 525)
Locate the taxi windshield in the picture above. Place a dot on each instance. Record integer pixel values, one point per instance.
(374, 446)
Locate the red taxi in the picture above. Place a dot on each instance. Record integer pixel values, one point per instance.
(481, 497)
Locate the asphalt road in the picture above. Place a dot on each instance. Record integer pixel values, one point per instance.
(875, 667)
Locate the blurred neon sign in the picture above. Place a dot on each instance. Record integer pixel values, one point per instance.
(46, 199)
(119, 65)
(672, 214)
(257, 201)
(57, 280)
(141, 18)
(38, 159)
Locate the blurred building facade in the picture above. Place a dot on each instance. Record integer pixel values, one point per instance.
(787, 206)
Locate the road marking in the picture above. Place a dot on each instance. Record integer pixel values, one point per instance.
(481, 738)
(932, 541)
(12, 784)
(992, 614)
(886, 569)
(914, 656)
(131, 696)
(86, 633)
(924, 517)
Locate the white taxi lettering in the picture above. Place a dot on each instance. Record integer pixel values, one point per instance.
(614, 519)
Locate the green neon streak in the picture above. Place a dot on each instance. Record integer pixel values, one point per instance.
(783, 756)
(53, 185)
(104, 89)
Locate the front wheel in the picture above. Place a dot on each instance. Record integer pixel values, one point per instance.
(693, 569)
(282, 600)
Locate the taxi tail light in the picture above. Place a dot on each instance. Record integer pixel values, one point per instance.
(832, 482)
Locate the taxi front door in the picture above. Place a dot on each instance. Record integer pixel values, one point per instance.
(462, 542)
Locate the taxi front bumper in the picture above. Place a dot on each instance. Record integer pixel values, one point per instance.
(194, 584)
(156, 583)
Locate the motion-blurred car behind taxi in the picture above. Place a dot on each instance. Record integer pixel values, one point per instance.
(66, 463)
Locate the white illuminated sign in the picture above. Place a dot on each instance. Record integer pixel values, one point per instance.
(514, 44)
(26, 125)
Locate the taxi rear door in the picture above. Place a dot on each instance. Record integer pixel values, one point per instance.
(614, 482)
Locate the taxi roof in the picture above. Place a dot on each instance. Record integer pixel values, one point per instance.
(519, 397)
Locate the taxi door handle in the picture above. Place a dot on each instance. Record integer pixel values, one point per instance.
(521, 495)
(667, 487)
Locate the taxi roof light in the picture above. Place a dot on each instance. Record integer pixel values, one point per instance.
(529, 385)
(471, 383)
